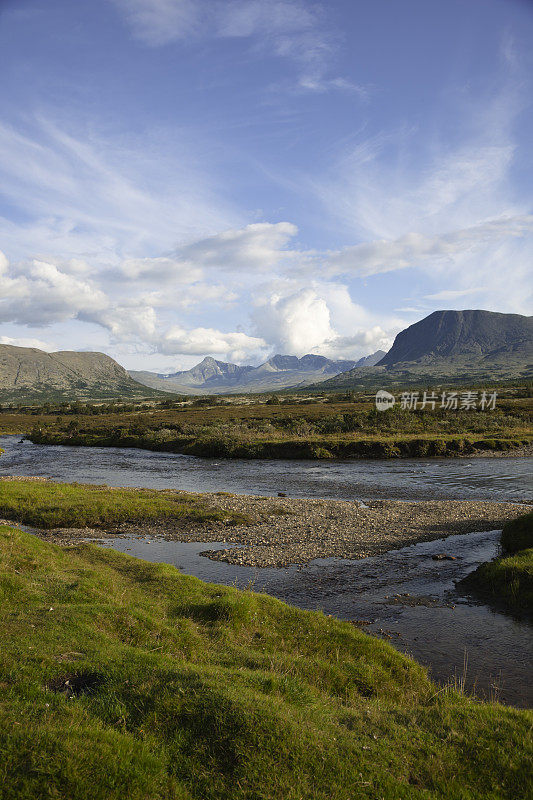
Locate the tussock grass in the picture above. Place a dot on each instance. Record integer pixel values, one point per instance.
(124, 679)
(55, 505)
(518, 534)
(509, 579)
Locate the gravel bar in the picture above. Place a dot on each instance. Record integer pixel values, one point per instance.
(285, 531)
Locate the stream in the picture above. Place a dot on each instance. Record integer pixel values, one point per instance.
(404, 596)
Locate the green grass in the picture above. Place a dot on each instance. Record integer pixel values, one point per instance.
(509, 579)
(517, 534)
(182, 689)
(55, 505)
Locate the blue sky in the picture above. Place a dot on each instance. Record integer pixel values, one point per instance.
(181, 178)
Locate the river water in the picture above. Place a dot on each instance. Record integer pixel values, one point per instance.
(505, 479)
(404, 596)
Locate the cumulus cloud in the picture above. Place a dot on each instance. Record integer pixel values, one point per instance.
(295, 323)
(362, 343)
(320, 318)
(200, 341)
(40, 293)
(260, 246)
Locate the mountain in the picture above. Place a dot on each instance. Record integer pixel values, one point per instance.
(279, 372)
(28, 374)
(371, 360)
(448, 334)
(456, 346)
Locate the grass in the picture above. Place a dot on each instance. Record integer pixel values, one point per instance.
(291, 429)
(54, 505)
(509, 579)
(518, 534)
(120, 678)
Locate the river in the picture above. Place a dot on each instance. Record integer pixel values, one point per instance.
(404, 596)
(414, 479)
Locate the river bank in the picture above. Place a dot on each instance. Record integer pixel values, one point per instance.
(315, 448)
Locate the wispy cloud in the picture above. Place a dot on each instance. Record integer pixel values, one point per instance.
(98, 198)
(454, 294)
(293, 30)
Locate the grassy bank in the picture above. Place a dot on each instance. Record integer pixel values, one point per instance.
(121, 678)
(215, 446)
(509, 579)
(364, 434)
(51, 505)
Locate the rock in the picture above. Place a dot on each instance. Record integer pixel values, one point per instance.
(282, 494)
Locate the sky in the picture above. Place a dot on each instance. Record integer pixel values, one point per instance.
(238, 178)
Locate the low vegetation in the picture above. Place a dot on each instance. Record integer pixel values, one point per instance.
(44, 504)
(509, 579)
(122, 678)
(270, 427)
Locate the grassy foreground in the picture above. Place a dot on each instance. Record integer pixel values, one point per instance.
(45, 504)
(124, 679)
(510, 579)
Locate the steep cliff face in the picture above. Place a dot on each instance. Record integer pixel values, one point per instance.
(26, 373)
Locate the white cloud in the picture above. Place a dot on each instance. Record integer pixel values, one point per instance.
(101, 199)
(419, 250)
(320, 317)
(158, 22)
(282, 23)
(260, 246)
(295, 323)
(161, 268)
(40, 294)
(361, 343)
(454, 294)
(203, 294)
(25, 342)
(201, 341)
(294, 30)
(129, 322)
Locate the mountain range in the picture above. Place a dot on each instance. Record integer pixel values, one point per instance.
(279, 372)
(446, 346)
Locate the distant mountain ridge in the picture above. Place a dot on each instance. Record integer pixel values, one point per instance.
(30, 374)
(279, 372)
(458, 346)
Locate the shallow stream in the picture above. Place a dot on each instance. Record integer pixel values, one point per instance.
(404, 595)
